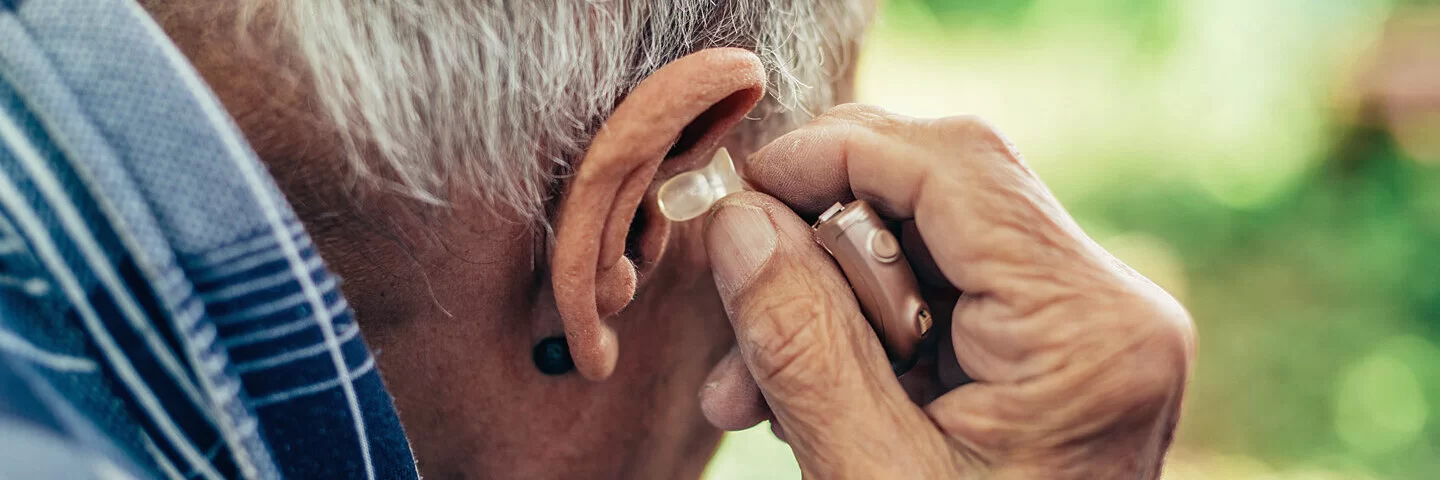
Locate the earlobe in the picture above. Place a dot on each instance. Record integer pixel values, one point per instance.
(696, 99)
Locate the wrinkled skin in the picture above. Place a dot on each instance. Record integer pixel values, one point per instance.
(452, 301)
(1080, 365)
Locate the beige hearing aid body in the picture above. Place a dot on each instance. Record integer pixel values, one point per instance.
(881, 277)
(854, 234)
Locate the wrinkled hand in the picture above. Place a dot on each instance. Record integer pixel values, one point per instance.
(1079, 363)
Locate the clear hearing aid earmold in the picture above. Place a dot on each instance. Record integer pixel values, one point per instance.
(690, 194)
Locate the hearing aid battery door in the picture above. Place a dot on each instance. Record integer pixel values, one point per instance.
(878, 272)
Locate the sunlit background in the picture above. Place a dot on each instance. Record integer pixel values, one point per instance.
(1275, 164)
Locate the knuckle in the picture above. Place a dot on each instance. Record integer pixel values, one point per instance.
(1126, 369)
(868, 116)
(1161, 352)
(976, 131)
(855, 111)
(967, 126)
(1168, 324)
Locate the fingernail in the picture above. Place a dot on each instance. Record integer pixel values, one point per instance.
(741, 240)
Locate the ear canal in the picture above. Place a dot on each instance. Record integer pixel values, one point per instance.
(697, 99)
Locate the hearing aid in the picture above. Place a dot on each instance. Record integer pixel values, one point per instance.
(873, 262)
(691, 194)
(853, 234)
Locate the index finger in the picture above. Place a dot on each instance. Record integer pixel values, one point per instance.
(866, 152)
(975, 203)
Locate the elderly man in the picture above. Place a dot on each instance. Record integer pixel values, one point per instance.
(481, 175)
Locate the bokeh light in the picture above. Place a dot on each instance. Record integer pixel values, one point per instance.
(1275, 164)
(1379, 406)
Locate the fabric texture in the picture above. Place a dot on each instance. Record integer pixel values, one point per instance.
(153, 279)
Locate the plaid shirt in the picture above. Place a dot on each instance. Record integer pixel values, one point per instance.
(162, 311)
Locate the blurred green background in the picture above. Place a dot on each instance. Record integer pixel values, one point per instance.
(1275, 164)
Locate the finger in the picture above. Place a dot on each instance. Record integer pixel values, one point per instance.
(800, 332)
(984, 215)
(921, 261)
(806, 186)
(778, 431)
(810, 168)
(1097, 374)
(1048, 323)
(730, 400)
(949, 372)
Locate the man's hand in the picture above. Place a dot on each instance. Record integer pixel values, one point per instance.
(1079, 363)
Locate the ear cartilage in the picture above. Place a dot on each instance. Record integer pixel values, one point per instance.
(873, 262)
(691, 194)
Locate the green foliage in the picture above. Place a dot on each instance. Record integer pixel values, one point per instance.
(1291, 295)
(1317, 302)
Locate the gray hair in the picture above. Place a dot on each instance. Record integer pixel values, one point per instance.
(500, 97)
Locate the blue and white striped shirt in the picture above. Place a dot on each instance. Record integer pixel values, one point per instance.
(162, 311)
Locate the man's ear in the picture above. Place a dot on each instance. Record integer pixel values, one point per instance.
(679, 114)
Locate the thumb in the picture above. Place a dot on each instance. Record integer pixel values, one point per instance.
(802, 336)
